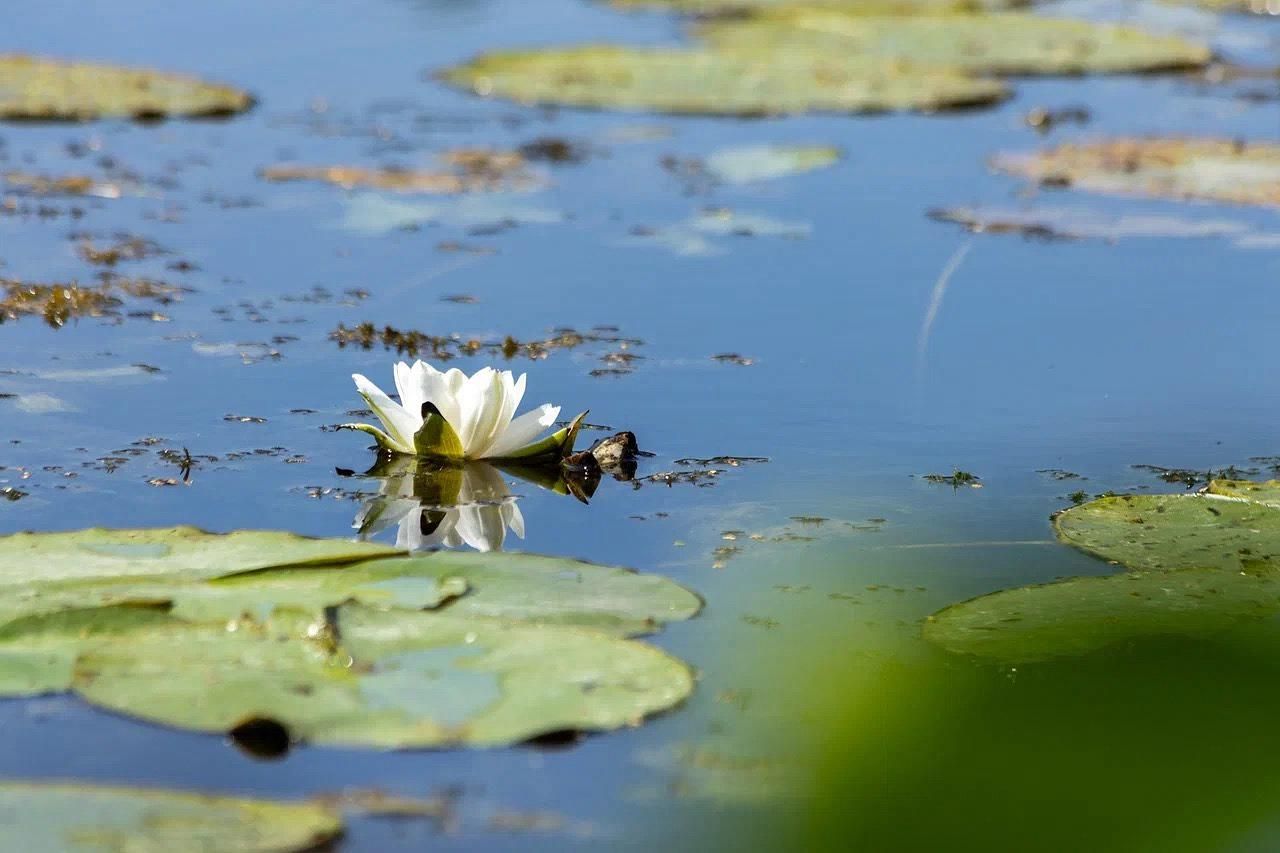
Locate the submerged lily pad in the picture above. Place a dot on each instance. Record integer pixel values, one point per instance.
(79, 818)
(46, 89)
(1081, 615)
(749, 163)
(985, 44)
(1160, 532)
(714, 82)
(1219, 170)
(383, 679)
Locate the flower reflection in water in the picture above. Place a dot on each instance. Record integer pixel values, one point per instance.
(441, 505)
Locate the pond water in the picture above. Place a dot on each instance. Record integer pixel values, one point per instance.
(863, 369)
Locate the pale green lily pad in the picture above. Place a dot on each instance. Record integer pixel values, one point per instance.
(548, 590)
(983, 44)
(855, 7)
(1267, 492)
(390, 679)
(37, 654)
(78, 818)
(747, 164)
(713, 82)
(1081, 615)
(97, 567)
(184, 553)
(46, 89)
(1221, 170)
(1160, 532)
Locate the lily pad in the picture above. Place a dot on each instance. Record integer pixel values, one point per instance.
(1161, 532)
(383, 679)
(185, 553)
(546, 590)
(1264, 493)
(984, 44)
(750, 163)
(77, 818)
(32, 88)
(38, 653)
(42, 573)
(1218, 170)
(1081, 615)
(773, 82)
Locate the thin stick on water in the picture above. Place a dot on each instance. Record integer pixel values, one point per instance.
(935, 304)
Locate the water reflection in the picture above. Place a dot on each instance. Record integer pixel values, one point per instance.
(436, 505)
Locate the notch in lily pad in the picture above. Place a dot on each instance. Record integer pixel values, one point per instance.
(454, 417)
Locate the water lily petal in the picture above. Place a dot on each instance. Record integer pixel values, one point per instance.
(481, 401)
(408, 387)
(524, 430)
(400, 425)
(439, 389)
(514, 518)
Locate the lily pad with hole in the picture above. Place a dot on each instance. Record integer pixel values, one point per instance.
(1228, 171)
(1082, 615)
(1009, 43)
(34, 89)
(389, 679)
(774, 82)
(59, 817)
(1162, 532)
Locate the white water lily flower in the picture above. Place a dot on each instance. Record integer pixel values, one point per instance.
(454, 416)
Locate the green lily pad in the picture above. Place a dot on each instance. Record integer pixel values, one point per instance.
(1264, 493)
(38, 653)
(390, 679)
(76, 818)
(714, 82)
(176, 553)
(1160, 532)
(1081, 615)
(1218, 170)
(46, 89)
(548, 590)
(983, 44)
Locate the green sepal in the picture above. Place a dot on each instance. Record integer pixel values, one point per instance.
(437, 439)
(553, 448)
(385, 442)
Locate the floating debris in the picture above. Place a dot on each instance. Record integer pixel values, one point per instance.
(468, 170)
(413, 343)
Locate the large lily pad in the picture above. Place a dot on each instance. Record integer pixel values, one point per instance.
(1220, 170)
(1160, 532)
(992, 44)
(76, 818)
(548, 590)
(1081, 615)
(391, 679)
(185, 553)
(38, 653)
(45, 89)
(712, 82)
